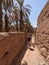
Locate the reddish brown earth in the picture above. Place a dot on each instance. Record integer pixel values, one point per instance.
(10, 45)
(29, 57)
(42, 33)
(9, 50)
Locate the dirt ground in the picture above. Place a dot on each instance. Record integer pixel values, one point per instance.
(30, 57)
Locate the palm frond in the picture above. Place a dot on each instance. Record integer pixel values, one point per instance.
(28, 6)
(26, 15)
(28, 22)
(27, 10)
(20, 2)
(16, 8)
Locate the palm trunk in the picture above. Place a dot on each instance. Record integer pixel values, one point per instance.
(17, 26)
(1, 16)
(21, 22)
(16, 18)
(6, 17)
(6, 24)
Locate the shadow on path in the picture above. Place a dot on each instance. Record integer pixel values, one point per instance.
(18, 59)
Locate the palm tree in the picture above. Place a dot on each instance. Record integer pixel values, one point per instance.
(0, 15)
(24, 12)
(7, 6)
(16, 17)
(28, 26)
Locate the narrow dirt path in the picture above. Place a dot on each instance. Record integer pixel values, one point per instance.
(33, 58)
(30, 57)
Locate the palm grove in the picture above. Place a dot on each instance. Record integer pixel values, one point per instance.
(17, 14)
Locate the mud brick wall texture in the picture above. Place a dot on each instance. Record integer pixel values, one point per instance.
(10, 45)
(42, 33)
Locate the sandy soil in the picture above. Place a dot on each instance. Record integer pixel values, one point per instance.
(29, 57)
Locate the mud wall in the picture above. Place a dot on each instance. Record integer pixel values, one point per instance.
(42, 33)
(10, 45)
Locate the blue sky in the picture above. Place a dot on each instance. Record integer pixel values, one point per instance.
(37, 6)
